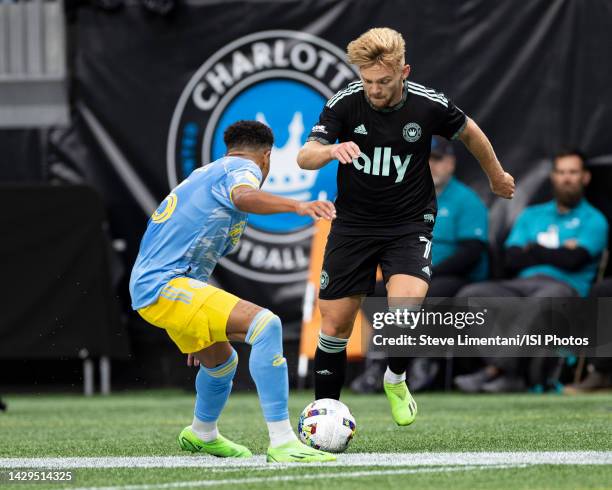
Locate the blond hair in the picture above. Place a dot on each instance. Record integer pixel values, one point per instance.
(380, 45)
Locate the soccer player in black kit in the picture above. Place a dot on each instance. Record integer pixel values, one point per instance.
(386, 204)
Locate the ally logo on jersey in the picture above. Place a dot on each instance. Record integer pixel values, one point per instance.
(383, 163)
(280, 78)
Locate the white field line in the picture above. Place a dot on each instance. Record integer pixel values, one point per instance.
(289, 478)
(350, 459)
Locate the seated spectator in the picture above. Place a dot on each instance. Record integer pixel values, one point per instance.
(555, 248)
(459, 255)
(459, 247)
(599, 369)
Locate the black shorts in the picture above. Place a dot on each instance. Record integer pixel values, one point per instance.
(349, 264)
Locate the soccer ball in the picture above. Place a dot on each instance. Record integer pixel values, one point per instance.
(327, 424)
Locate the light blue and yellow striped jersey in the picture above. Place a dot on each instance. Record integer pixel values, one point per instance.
(193, 227)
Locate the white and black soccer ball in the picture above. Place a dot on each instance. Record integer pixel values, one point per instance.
(327, 424)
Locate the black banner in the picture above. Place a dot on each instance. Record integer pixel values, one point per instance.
(56, 291)
(161, 90)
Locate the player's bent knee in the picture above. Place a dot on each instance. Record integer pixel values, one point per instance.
(265, 325)
(338, 325)
(240, 318)
(338, 316)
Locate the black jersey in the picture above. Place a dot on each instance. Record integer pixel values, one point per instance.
(388, 188)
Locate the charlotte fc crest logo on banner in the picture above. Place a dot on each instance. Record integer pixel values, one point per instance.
(280, 78)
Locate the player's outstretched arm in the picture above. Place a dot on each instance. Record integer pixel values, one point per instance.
(255, 201)
(502, 183)
(315, 155)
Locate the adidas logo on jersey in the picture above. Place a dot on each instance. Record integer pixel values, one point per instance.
(427, 270)
(325, 372)
(360, 129)
(380, 163)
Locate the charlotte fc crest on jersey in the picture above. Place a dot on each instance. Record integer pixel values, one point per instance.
(324, 280)
(280, 78)
(412, 132)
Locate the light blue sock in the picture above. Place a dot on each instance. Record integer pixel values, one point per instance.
(213, 386)
(268, 366)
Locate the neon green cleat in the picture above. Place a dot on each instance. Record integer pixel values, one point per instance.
(296, 452)
(403, 406)
(220, 447)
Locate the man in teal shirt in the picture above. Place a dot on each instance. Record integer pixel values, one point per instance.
(460, 231)
(554, 249)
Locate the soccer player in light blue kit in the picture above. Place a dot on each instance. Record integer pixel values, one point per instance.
(200, 221)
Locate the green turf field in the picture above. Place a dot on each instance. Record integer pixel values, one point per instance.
(458, 439)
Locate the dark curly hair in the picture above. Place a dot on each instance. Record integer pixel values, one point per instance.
(248, 134)
(571, 152)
